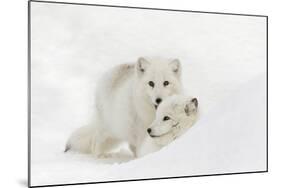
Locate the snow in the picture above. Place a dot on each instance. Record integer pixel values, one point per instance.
(223, 60)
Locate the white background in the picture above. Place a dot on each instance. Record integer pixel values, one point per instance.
(14, 104)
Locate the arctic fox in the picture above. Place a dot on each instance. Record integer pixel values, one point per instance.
(173, 118)
(127, 97)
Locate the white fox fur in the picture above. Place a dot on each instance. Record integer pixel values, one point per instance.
(127, 97)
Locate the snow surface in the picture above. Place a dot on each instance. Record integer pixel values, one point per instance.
(223, 60)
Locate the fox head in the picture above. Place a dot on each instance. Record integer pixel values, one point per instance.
(175, 115)
(158, 79)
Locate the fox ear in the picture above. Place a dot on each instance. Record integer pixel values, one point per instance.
(186, 109)
(142, 65)
(176, 66)
(191, 106)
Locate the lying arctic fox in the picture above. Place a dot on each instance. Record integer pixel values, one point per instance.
(127, 97)
(173, 118)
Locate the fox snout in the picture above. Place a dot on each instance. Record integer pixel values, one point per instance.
(157, 101)
(149, 130)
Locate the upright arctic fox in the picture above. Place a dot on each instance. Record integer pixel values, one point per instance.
(127, 97)
(173, 118)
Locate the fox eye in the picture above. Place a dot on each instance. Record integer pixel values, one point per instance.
(166, 118)
(166, 83)
(151, 83)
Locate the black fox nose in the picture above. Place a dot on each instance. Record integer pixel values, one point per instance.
(158, 100)
(195, 101)
(149, 130)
